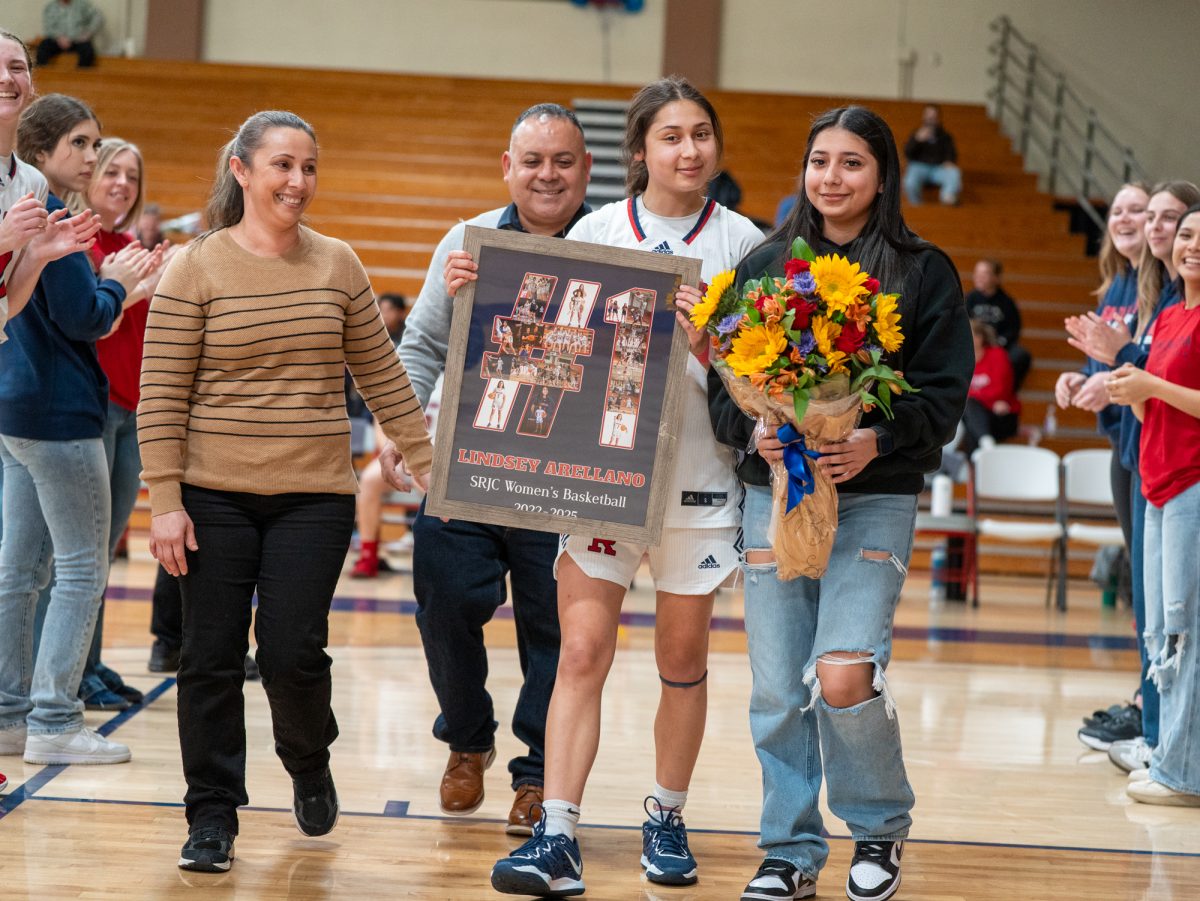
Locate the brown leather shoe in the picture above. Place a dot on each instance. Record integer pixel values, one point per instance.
(522, 816)
(462, 783)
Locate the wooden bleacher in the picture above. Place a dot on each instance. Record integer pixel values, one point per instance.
(405, 156)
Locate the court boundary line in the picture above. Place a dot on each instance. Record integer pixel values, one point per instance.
(743, 833)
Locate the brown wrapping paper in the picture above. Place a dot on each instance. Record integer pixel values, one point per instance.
(803, 539)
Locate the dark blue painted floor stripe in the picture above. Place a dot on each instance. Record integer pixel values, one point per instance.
(936, 634)
(399, 810)
(46, 775)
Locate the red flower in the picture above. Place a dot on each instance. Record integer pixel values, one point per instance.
(794, 267)
(804, 310)
(758, 304)
(851, 338)
(872, 286)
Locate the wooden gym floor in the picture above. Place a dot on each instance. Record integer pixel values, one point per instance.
(1009, 804)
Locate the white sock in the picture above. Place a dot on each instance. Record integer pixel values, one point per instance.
(665, 799)
(561, 818)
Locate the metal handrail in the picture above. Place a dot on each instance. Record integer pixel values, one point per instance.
(1036, 106)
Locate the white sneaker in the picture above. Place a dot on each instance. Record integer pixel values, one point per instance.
(83, 746)
(1151, 792)
(1130, 754)
(1139, 775)
(12, 741)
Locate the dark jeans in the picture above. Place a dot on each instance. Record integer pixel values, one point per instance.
(978, 421)
(48, 49)
(1121, 480)
(458, 576)
(166, 610)
(290, 547)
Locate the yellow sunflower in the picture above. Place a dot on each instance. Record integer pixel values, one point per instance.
(887, 322)
(756, 349)
(839, 282)
(703, 311)
(825, 332)
(837, 362)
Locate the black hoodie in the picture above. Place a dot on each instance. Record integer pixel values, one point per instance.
(937, 356)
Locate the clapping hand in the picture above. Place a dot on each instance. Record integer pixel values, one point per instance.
(1098, 339)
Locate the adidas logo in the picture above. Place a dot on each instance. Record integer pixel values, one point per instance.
(664, 247)
(709, 562)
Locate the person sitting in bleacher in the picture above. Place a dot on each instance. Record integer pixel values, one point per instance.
(931, 159)
(989, 303)
(69, 27)
(992, 405)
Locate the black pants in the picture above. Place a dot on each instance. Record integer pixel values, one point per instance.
(978, 421)
(48, 49)
(290, 547)
(1121, 480)
(166, 610)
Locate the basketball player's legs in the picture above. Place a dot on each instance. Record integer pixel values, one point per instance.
(681, 652)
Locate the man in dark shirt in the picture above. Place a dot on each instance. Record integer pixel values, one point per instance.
(932, 160)
(989, 303)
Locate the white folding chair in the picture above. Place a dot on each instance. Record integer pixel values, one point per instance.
(1086, 481)
(1016, 473)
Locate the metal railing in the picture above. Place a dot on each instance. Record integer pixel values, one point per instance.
(1058, 134)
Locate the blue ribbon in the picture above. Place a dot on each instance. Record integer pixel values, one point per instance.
(796, 455)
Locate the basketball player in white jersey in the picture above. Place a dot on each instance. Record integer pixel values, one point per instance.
(673, 144)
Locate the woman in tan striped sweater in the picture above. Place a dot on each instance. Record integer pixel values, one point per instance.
(246, 448)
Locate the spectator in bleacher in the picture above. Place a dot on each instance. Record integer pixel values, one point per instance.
(992, 405)
(989, 303)
(53, 403)
(931, 159)
(459, 567)
(1120, 253)
(368, 511)
(148, 229)
(1157, 280)
(115, 193)
(68, 26)
(250, 497)
(1166, 397)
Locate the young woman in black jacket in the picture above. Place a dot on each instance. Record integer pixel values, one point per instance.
(818, 648)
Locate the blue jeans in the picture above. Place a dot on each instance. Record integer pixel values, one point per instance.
(918, 175)
(56, 505)
(458, 577)
(124, 478)
(1172, 575)
(1149, 689)
(789, 626)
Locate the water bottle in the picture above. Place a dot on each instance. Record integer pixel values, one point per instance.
(1050, 426)
(937, 573)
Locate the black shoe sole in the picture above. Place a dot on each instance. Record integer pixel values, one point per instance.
(509, 882)
(853, 897)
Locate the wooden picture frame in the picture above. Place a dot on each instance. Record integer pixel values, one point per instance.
(561, 401)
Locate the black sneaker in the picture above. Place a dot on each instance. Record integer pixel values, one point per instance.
(778, 879)
(163, 658)
(209, 849)
(253, 673)
(315, 804)
(1121, 726)
(875, 871)
(1102, 716)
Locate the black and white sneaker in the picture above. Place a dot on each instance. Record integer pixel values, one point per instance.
(875, 871)
(315, 804)
(779, 879)
(209, 849)
(1124, 725)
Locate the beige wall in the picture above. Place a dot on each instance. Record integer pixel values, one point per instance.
(1127, 60)
(523, 39)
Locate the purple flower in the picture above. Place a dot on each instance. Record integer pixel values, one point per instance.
(729, 324)
(804, 282)
(807, 344)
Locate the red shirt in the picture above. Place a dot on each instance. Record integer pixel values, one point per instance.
(1170, 449)
(993, 380)
(121, 353)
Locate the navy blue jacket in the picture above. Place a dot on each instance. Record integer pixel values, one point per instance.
(51, 385)
(1119, 303)
(1138, 353)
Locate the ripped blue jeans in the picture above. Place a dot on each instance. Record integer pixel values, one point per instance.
(789, 626)
(1171, 571)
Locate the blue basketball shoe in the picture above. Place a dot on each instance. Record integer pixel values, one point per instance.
(547, 866)
(665, 853)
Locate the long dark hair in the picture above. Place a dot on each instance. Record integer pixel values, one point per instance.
(1152, 274)
(225, 203)
(44, 123)
(1190, 211)
(643, 108)
(886, 244)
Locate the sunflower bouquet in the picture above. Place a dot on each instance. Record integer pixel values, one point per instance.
(805, 352)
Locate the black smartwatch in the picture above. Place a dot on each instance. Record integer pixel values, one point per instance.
(884, 441)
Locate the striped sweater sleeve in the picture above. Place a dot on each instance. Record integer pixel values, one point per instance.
(174, 340)
(381, 378)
